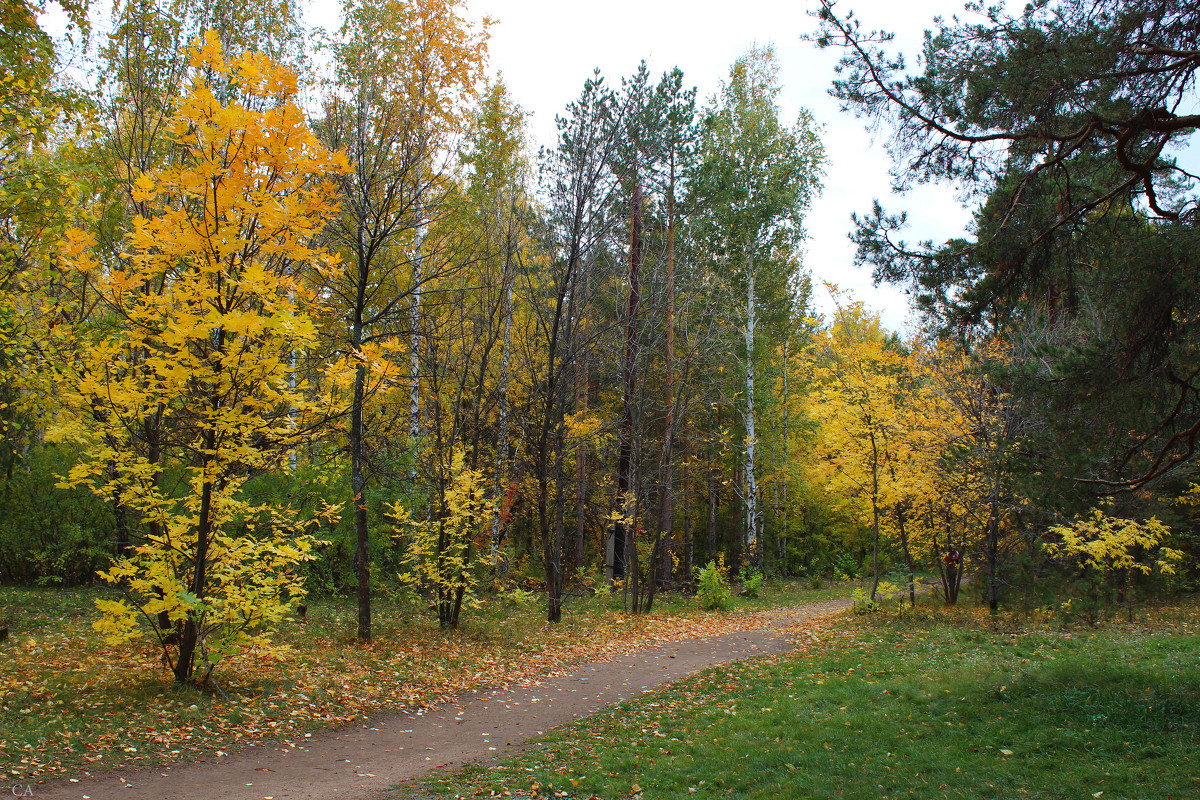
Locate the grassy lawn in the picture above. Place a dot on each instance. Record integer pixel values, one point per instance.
(68, 701)
(942, 703)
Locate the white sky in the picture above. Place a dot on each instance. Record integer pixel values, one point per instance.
(546, 49)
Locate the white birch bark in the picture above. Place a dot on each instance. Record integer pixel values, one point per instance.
(414, 392)
(751, 435)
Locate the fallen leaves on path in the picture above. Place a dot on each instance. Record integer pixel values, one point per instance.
(70, 703)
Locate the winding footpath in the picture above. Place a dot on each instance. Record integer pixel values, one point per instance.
(387, 750)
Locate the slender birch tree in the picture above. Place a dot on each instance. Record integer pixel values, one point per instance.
(756, 178)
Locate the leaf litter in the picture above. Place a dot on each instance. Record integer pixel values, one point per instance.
(70, 703)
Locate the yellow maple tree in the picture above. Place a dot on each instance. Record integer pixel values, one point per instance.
(201, 317)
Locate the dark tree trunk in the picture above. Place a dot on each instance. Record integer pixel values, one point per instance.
(712, 510)
(581, 482)
(358, 482)
(874, 517)
(666, 520)
(993, 546)
(190, 638)
(554, 567)
(688, 545)
(621, 536)
(908, 559)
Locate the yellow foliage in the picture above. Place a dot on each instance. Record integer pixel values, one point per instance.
(192, 377)
(441, 556)
(1104, 543)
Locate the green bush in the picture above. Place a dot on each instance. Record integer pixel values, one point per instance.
(752, 581)
(713, 593)
(846, 567)
(51, 536)
(863, 604)
(515, 596)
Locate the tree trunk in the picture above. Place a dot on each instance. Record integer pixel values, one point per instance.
(712, 505)
(908, 559)
(688, 545)
(358, 485)
(629, 375)
(787, 455)
(460, 592)
(666, 519)
(358, 482)
(874, 515)
(502, 444)
(738, 537)
(993, 546)
(554, 569)
(581, 453)
(190, 638)
(120, 512)
(751, 435)
(414, 390)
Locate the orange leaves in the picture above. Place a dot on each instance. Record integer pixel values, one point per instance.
(428, 72)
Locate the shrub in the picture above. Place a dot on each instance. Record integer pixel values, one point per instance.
(1108, 554)
(863, 604)
(752, 581)
(441, 561)
(846, 567)
(51, 535)
(713, 593)
(515, 597)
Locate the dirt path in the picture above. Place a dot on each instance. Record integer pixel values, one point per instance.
(363, 763)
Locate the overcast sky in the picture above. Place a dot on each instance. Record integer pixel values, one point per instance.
(547, 48)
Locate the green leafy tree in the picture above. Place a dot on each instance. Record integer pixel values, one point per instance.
(45, 171)
(403, 75)
(1062, 120)
(755, 179)
(580, 189)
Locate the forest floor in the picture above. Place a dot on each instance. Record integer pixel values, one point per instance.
(403, 705)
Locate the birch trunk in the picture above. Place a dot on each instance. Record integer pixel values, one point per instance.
(751, 435)
(414, 392)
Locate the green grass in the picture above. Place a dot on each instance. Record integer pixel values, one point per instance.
(69, 701)
(943, 703)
